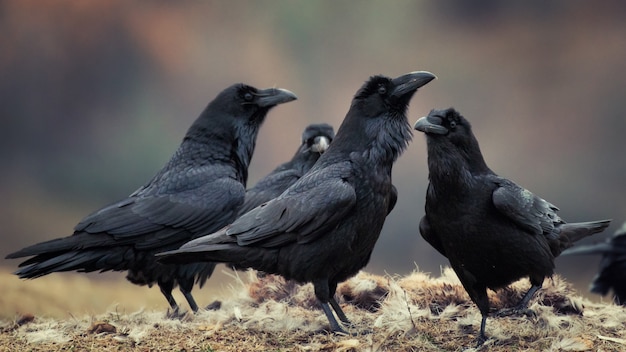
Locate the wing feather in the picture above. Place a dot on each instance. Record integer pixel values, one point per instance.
(163, 219)
(308, 209)
(528, 211)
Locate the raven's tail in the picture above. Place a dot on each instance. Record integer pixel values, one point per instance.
(57, 245)
(72, 253)
(579, 230)
(572, 232)
(616, 246)
(82, 261)
(219, 253)
(217, 247)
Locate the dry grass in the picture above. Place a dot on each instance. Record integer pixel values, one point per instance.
(62, 295)
(417, 312)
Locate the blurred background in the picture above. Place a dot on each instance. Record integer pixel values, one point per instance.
(96, 95)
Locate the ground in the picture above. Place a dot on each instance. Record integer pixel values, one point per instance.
(417, 312)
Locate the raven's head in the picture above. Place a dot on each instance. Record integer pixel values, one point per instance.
(317, 137)
(229, 125)
(447, 123)
(251, 104)
(238, 105)
(376, 122)
(450, 137)
(381, 94)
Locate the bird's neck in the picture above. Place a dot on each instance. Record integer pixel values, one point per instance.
(303, 160)
(243, 149)
(454, 168)
(233, 149)
(389, 142)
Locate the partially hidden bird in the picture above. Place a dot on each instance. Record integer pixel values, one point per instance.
(315, 140)
(612, 272)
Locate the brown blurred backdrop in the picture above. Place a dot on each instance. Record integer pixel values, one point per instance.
(96, 95)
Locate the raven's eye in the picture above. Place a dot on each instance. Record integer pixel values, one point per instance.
(382, 90)
(248, 96)
(452, 124)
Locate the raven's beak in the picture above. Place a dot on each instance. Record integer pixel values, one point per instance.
(274, 96)
(410, 82)
(321, 144)
(430, 124)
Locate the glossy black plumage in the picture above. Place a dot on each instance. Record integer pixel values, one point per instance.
(196, 193)
(492, 230)
(315, 140)
(324, 227)
(612, 272)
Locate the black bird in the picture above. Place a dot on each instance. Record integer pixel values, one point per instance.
(492, 231)
(196, 193)
(315, 140)
(324, 227)
(612, 273)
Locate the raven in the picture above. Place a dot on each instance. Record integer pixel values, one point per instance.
(492, 231)
(324, 227)
(196, 193)
(612, 274)
(315, 141)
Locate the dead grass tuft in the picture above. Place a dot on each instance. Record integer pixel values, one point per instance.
(276, 288)
(100, 327)
(365, 291)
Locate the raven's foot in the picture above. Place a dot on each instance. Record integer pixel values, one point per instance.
(343, 332)
(338, 331)
(353, 327)
(176, 314)
(516, 311)
(348, 325)
(480, 340)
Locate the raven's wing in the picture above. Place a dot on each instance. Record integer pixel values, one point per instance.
(269, 188)
(528, 211)
(194, 211)
(307, 210)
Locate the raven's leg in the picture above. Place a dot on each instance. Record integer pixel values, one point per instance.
(334, 325)
(478, 294)
(481, 336)
(332, 288)
(166, 288)
(523, 303)
(522, 307)
(186, 287)
(340, 314)
(322, 293)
